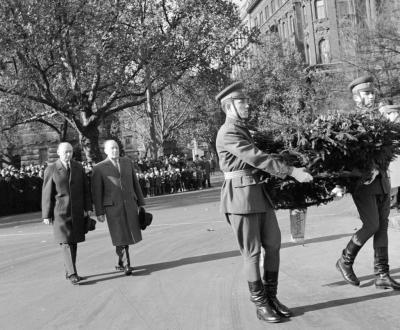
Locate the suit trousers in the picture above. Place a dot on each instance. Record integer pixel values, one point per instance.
(123, 255)
(69, 251)
(374, 213)
(253, 231)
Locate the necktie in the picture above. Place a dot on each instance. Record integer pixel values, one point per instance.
(68, 170)
(116, 163)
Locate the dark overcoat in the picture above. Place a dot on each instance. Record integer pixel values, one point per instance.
(236, 151)
(64, 201)
(118, 196)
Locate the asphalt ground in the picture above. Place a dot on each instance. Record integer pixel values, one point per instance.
(188, 274)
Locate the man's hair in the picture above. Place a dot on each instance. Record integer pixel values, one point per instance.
(63, 144)
(108, 142)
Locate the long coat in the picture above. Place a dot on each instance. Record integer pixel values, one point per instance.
(236, 151)
(118, 195)
(64, 200)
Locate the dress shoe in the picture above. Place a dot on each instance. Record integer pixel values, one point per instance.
(128, 270)
(74, 279)
(80, 278)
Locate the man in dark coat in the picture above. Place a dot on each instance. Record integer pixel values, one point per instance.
(65, 202)
(117, 197)
(372, 199)
(246, 203)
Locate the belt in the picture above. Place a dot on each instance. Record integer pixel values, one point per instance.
(237, 174)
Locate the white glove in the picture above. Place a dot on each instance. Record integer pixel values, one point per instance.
(300, 174)
(374, 173)
(101, 218)
(338, 192)
(47, 221)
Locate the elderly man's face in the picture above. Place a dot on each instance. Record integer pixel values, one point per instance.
(65, 152)
(111, 149)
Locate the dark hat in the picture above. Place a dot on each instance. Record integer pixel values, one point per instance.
(145, 218)
(233, 91)
(364, 83)
(90, 224)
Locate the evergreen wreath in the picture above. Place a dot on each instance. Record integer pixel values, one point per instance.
(339, 149)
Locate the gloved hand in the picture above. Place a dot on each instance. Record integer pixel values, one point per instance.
(101, 218)
(374, 174)
(338, 192)
(301, 175)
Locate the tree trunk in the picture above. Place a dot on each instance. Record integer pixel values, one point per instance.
(89, 139)
(150, 113)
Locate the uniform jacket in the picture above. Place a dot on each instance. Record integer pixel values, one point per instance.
(381, 184)
(236, 151)
(118, 195)
(64, 200)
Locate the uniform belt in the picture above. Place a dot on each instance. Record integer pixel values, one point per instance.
(237, 174)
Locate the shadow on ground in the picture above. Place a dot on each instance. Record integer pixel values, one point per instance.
(143, 270)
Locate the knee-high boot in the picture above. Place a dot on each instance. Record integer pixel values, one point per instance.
(381, 270)
(346, 261)
(264, 311)
(271, 287)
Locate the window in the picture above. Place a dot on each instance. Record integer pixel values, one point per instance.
(272, 7)
(266, 12)
(261, 17)
(255, 22)
(324, 52)
(308, 54)
(43, 155)
(128, 142)
(304, 15)
(284, 30)
(320, 9)
(292, 27)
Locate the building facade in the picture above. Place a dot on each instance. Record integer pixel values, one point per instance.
(312, 26)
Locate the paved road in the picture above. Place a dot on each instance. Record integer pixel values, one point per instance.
(188, 275)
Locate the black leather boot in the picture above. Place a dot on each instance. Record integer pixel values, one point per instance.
(258, 297)
(345, 263)
(271, 288)
(381, 270)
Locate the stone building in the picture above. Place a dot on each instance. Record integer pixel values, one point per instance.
(313, 26)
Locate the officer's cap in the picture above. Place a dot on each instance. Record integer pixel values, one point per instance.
(362, 84)
(233, 91)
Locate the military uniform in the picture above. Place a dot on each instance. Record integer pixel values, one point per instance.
(372, 199)
(248, 207)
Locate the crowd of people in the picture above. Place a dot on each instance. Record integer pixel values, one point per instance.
(20, 189)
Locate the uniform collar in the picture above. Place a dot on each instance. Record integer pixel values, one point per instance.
(236, 121)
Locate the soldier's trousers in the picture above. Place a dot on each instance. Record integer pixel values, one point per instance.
(253, 231)
(374, 213)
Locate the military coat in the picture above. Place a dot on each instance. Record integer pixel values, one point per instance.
(236, 151)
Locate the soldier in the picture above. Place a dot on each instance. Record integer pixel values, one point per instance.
(372, 199)
(246, 203)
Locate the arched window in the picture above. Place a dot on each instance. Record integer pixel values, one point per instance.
(324, 51)
(320, 9)
(308, 55)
